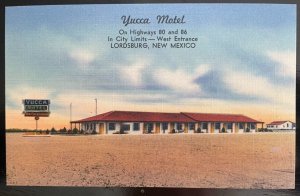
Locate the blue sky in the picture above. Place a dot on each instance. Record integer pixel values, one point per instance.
(244, 62)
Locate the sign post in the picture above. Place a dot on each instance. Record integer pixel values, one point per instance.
(36, 108)
(36, 123)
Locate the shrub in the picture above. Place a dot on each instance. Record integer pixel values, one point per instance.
(119, 132)
(75, 131)
(64, 130)
(94, 132)
(198, 130)
(223, 130)
(52, 131)
(247, 129)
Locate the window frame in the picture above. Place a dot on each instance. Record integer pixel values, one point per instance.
(206, 125)
(217, 123)
(165, 126)
(138, 126)
(192, 126)
(109, 126)
(231, 125)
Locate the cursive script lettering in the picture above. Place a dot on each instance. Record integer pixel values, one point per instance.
(128, 20)
(170, 20)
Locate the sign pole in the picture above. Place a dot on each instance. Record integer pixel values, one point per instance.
(36, 122)
(70, 116)
(96, 105)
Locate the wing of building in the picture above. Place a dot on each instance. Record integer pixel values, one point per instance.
(133, 122)
(281, 125)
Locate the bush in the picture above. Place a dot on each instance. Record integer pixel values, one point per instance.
(119, 132)
(247, 130)
(198, 130)
(94, 132)
(223, 130)
(47, 131)
(75, 131)
(53, 130)
(173, 131)
(263, 130)
(64, 130)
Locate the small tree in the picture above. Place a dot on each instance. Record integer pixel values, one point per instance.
(64, 130)
(198, 130)
(75, 130)
(223, 130)
(53, 130)
(47, 131)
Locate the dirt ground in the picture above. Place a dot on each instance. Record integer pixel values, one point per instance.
(260, 160)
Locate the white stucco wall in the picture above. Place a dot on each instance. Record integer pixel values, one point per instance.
(285, 126)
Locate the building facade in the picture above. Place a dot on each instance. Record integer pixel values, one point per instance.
(281, 125)
(131, 122)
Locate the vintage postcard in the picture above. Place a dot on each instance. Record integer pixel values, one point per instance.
(151, 95)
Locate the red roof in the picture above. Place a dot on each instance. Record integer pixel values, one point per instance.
(131, 116)
(206, 117)
(278, 122)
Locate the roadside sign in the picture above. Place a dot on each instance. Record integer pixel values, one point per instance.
(36, 107)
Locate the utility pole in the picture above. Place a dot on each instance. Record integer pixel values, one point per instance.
(96, 105)
(70, 116)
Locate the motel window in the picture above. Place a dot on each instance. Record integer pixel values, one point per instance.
(204, 125)
(179, 126)
(111, 126)
(136, 126)
(125, 127)
(217, 125)
(252, 125)
(276, 126)
(150, 126)
(241, 126)
(192, 126)
(164, 126)
(229, 126)
(88, 126)
(287, 125)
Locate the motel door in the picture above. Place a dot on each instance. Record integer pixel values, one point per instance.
(101, 128)
(157, 128)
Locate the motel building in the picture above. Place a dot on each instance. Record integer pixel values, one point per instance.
(132, 122)
(281, 125)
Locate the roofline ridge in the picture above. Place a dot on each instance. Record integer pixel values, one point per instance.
(212, 113)
(147, 112)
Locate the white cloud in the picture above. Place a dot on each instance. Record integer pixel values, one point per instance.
(83, 52)
(287, 60)
(83, 57)
(19, 93)
(133, 74)
(180, 80)
(253, 85)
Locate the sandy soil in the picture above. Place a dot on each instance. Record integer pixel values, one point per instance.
(260, 160)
